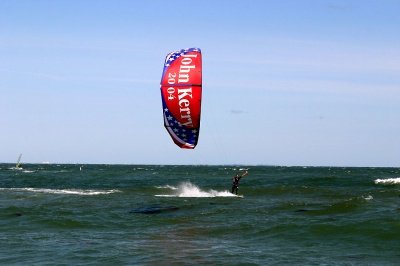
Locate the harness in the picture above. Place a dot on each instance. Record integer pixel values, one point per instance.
(235, 181)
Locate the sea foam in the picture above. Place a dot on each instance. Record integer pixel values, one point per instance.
(388, 181)
(168, 187)
(85, 192)
(189, 190)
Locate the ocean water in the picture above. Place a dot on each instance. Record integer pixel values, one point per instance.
(185, 215)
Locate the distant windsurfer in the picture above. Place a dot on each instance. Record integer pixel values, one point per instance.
(235, 182)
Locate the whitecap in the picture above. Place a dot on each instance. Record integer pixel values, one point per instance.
(388, 181)
(28, 171)
(369, 197)
(189, 190)
(167, 187)
(16, 168)
(84, 192)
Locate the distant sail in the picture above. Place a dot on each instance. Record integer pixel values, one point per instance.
(181, 89)
(17, 165)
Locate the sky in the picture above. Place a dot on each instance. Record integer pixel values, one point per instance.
(291, 83)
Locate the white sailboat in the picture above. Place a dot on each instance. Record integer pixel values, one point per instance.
(18, 164)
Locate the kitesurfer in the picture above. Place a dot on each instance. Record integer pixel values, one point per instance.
(235, 181)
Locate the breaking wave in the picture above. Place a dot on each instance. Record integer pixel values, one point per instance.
(85, 192)
(188, 190)
(388, 181)
(168, 187)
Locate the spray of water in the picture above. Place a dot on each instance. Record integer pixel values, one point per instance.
(189, 190)
(389, 181)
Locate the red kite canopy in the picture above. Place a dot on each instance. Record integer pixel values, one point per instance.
(181, 96)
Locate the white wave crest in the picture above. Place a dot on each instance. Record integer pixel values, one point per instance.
(167, 187)
(188, 190)
(367, 198)
(84, 192)
(388, 181)
(28, 171)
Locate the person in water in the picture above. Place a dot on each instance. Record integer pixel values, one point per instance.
(235, 182)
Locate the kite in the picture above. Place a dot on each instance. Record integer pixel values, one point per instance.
(181, 89)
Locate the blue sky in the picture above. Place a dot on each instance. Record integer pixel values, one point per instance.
(284, 82)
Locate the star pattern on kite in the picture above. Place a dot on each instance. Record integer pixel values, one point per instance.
(175, 55)
(182, 132)
(184, 135)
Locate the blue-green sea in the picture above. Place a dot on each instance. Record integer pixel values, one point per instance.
(185, 215)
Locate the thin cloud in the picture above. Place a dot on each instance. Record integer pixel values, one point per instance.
(237, 111)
